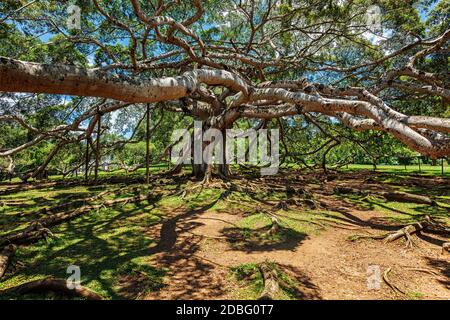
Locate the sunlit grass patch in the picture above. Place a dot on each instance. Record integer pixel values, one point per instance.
(99, 242)
(425, 170)
(250, 282)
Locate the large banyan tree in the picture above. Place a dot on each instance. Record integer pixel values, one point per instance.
(220, 61)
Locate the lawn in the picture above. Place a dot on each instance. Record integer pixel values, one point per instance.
(426, 170)
(115, 245)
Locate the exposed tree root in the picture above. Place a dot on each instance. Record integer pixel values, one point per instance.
(24, 187)
(347, 190)
(406, 232)
(308, 202)
(347, 225)
(275, 226)
(271, 285)
(207, 236)
(446, 248)
(20, 187)
(54, 285)
(407, 197)
(311, 203)
(282, 205)
(12, 203)
(60, 207)
(390, 284)
(424, 270)
(58, 218)
(39, 229)
(5, 258)
(33, 233)
(356, 237)
(300, 219)
(389, 195)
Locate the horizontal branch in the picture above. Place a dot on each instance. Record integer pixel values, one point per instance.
(21, 76)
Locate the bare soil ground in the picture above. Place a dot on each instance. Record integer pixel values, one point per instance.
(195, 249)
(192, 243)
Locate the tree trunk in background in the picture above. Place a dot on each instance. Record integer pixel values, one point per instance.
(147, 153)
(97, 149)
(198, 170)
(86, 171)
(224, 168)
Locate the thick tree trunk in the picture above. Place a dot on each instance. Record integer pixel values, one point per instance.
(224, 168)
(199, 170)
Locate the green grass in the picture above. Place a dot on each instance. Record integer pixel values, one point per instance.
(405, 212)
(250, 282)
(101, 243)
(425, 170)
(415, 295)
(154, 168)
(111, 245)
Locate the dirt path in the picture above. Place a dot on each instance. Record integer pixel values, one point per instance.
(327, 266)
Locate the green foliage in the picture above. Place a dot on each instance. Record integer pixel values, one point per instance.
(34, 39)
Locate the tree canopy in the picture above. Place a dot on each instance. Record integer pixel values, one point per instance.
(341, 79)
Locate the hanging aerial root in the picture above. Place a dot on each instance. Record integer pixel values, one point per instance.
(6, 255)
(271, 285)
(53, 285)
